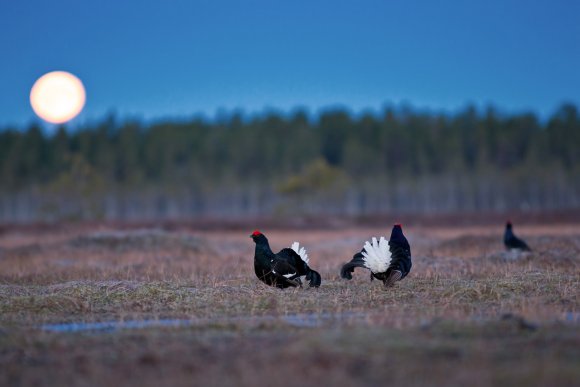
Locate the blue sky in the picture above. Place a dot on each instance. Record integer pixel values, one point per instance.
(176, 58)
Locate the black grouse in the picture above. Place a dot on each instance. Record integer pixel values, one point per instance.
(285, 268)
(511, 241)
(388, 261)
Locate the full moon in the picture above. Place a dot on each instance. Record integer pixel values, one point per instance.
(57, 97)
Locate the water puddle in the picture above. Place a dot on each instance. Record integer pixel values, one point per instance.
(110, 326)
(294, 320)
(305, 320)
(573, 317)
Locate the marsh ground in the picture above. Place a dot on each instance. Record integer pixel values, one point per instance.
(468, 313)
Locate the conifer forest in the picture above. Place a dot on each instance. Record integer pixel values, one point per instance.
(399, 160)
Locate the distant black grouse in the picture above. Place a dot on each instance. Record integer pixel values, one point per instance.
(511, 241)
(388, 261)
(285, 268)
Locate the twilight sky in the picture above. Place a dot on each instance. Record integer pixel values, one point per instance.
(176, 58)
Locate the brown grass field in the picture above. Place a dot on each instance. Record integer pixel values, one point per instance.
(468, 314)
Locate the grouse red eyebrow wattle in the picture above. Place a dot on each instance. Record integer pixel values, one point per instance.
(256, 233)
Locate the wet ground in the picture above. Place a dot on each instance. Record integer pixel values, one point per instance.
(150, 306)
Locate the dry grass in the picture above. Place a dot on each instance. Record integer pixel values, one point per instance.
(468, 312)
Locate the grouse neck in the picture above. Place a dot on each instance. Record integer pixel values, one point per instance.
(263, 248)
(509, 233)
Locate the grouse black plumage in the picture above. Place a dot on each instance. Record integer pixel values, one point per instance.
(388, 261)
(511, 241)
(285, 268)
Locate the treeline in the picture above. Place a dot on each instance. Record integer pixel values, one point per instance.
(399, 160)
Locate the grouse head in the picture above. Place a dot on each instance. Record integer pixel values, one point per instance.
(258, 237)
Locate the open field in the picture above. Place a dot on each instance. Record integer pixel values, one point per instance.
(468, 313)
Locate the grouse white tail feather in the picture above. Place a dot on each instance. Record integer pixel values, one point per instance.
(300, 251)
(376, 255)
(388, 260)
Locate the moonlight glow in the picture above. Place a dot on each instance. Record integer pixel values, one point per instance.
(57, 97)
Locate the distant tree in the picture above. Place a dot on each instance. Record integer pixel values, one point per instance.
(333, 130)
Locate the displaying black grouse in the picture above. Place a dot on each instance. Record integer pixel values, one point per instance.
(285, 268)
(511, 241)
(388, 261)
